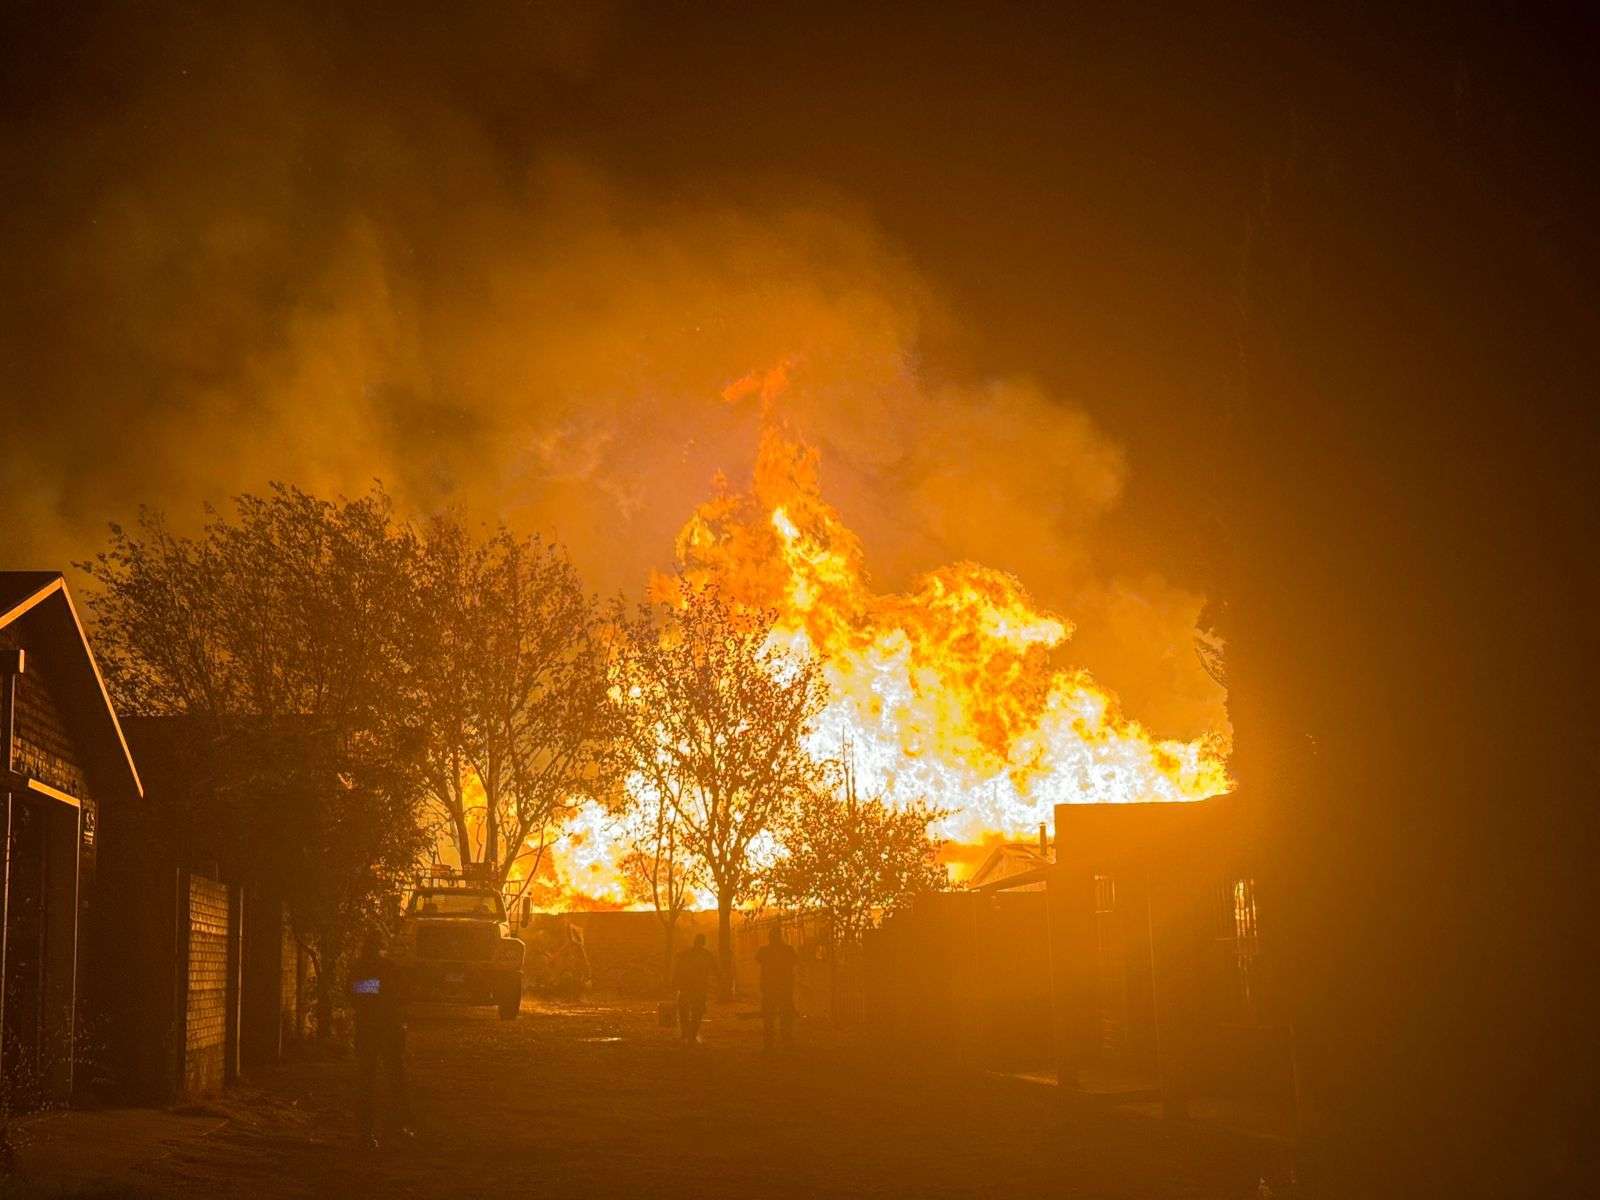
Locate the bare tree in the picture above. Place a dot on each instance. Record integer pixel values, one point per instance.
(658, 866)
(716, 717)
(512, 690)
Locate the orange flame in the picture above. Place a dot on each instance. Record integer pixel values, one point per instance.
(951, 692)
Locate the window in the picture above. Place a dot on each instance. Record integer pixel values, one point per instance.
(456, 904)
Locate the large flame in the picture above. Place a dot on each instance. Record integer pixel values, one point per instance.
(953, 692)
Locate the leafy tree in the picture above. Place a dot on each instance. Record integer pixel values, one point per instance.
(855, 861)
(277, 633)
(715, 721)
(512, 691)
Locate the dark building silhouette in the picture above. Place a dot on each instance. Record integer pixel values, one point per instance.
(1160, 977)
(223, 985)
(66, 772)
(1130, 964)
(137, 960)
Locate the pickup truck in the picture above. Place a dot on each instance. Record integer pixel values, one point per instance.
(456, 946)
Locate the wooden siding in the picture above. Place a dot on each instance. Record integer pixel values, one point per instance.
(45, 747)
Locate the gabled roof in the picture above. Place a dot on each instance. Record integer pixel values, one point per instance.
(41, 598)
(21, 590)
(1011, 865)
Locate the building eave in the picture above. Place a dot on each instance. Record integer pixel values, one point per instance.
(39, 587)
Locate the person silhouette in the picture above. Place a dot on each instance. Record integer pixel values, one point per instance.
(777, 959)
(691, 975)
(377, 988)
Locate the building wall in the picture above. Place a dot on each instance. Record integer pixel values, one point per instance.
(51, 900)
(209, 987)
(44, 745)
(1154, 953)
(261, 1025)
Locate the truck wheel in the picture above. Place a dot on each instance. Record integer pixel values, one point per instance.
(511, 1000)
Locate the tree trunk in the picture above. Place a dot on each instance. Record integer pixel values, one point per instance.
(458, 813)
(491, 828)
(725, 946)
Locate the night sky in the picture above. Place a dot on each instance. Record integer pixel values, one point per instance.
(1294, 314)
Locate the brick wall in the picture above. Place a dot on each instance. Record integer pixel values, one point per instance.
(206, 1015)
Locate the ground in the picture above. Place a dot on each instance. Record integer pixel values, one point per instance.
(596, 1100)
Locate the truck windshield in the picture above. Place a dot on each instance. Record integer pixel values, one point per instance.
(455, 904)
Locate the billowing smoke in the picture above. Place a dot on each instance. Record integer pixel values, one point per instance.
(256, 265)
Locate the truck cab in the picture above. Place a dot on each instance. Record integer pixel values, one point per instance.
(456, 944)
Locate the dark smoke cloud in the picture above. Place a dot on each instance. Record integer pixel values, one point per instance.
(254, 247)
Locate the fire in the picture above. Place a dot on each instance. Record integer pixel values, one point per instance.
(577, 869)
(953, 691)
(585, 861)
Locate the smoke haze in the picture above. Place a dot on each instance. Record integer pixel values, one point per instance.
(287, 249)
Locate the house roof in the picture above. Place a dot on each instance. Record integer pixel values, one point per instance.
(1009, 862)
(41, 599)
(21, 590)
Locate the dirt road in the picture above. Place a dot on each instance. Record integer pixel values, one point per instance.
(597, 1101)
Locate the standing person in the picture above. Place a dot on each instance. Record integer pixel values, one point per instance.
(377, 988)
(691, 975)
(777, 959)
